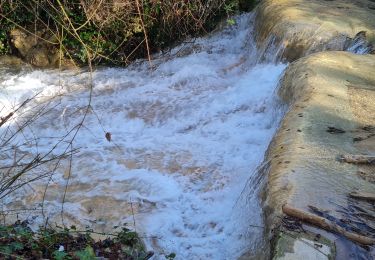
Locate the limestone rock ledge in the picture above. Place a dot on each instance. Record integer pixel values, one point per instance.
(323, 90)
(327, 89)
(297, 28)
(331, 98)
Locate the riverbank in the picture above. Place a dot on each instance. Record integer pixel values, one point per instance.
(72, 33)
(331, 97)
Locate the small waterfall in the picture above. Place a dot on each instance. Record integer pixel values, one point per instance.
(275, 47)
(186, 138)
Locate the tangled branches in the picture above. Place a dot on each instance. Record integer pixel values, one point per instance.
(110, 32)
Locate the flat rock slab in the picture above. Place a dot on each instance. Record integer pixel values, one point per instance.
(293, 246)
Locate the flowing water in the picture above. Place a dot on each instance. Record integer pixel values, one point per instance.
(187, 136)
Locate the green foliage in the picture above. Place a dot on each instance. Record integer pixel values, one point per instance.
(12, 15)
(115, 35)
(231, 6)
(231, 21)
(127, 237)
(19, 241)
(60, 255)
(4, 47)
(86, 254)
(171, 256)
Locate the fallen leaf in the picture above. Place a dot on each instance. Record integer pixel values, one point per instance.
(108, 136)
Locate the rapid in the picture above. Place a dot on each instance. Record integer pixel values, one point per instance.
(171, 149)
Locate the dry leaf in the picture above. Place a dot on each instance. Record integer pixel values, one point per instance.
(108, 136)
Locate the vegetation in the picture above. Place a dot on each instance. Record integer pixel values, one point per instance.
(114, 31)
(18, 241)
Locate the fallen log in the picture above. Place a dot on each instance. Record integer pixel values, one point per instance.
(325, 224)
(357, 159)
(362, 195)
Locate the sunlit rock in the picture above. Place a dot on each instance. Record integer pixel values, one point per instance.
(324, 90)
(38, 49)
(296, 28)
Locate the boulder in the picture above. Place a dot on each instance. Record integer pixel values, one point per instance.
(39, 49)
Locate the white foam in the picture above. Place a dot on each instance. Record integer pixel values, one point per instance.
(211, 111)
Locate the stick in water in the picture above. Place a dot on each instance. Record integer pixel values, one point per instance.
(325, 224)
(362, 195)
(357, 159)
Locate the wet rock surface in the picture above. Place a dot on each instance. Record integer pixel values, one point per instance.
(330, 96)
(303, 246)
(297, 28)
(331, 113)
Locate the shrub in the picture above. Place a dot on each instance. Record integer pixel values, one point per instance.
(18, 241)
(114, 31)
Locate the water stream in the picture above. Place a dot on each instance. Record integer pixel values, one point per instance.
(187, 135)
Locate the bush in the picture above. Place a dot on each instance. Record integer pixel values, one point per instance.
(18, 241)
(114, 31)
